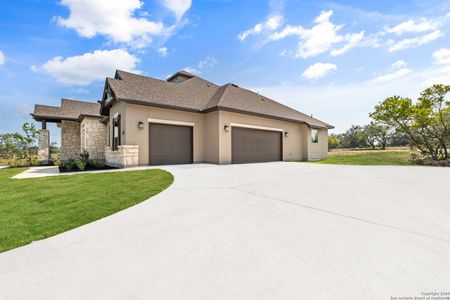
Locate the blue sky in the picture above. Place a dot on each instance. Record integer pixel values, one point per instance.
(334, 60)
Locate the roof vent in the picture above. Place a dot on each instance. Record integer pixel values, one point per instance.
(262, 98)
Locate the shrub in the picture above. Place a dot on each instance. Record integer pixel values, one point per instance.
(84, 156)
(81, 165)
(68, 165)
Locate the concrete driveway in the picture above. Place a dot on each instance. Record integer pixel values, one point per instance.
(256, 231)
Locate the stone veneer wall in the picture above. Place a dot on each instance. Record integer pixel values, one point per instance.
(43, 146)
(125, 156)
(93, 138)
(70, 140)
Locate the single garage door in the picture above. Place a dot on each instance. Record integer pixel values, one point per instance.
(253, 145)
(170, 144)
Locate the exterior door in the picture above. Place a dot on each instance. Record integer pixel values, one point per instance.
(254, 145)
(170, 144)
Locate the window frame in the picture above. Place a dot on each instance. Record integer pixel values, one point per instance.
(314, 136)
(116, 140)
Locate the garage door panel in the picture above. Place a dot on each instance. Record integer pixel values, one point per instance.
(170, 144)
(254, 145)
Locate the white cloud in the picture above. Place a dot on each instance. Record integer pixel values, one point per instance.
(89, 67)
(318, 70)
(191, 70)
(178, 7)
(208, 63)
(442, 56)
(163, 51)
(114, 18)
(422, 25)
(320, 38)
(271, 24)
(353, 41)
(205, 64)
(393, 75)
(2, 58)
(399, 64)
(414, 42)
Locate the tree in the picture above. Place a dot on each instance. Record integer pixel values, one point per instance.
(353, 138)
(370, 133)
(333, 141)
(20, 146)
(426, 123)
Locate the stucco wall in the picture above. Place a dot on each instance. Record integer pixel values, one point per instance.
(211, 142)
(318, 150)
(70, 140)
(136, 136)
(212, 131)
(93, 137)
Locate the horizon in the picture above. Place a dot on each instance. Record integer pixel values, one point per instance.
(309, 55)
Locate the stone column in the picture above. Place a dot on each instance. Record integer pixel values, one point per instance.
(43, 146)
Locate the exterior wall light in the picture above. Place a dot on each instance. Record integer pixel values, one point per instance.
(226, 128)
(286, 134)
(141, 125)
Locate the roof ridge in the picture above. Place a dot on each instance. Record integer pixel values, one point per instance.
(76, 100)
(217, 97)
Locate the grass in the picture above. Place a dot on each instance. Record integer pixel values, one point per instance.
(390, 157)
(34, 209)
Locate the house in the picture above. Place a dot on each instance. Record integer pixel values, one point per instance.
(184, 119)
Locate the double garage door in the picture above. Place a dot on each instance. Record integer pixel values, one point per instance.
(173, 144)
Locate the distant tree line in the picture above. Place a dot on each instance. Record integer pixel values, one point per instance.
(372, 135)
(397, 121)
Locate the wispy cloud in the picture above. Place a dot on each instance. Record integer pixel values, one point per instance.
(421, 25)
(2, 58)
(207, 63)
(163, 51)
(414, 42)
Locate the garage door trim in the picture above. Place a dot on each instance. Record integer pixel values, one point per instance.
(256, 127)
(170, 122)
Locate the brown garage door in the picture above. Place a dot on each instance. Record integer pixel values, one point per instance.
(170, 144)
(253, 145)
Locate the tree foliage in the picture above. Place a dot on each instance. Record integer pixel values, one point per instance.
(19, 145)
(425, 123)
(333, 141)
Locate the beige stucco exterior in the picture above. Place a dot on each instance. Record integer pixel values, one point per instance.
(211, 143)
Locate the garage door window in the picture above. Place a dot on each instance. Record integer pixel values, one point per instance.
(314, 136)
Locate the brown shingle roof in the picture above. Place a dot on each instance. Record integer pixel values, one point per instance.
(197, 94)
(69, 110)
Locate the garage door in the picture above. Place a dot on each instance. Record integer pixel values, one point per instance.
(170, 144)
(253, 145)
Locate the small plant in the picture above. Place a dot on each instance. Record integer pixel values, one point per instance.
(84, 156)
(68, 165)
(81, 165)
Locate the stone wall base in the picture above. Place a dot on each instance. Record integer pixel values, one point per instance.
(124, 157)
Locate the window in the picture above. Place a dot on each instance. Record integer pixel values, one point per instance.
(314, 136)
(109, 135)
(116, 132)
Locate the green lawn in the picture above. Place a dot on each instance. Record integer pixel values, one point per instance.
(369, 158)
(34, 209)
